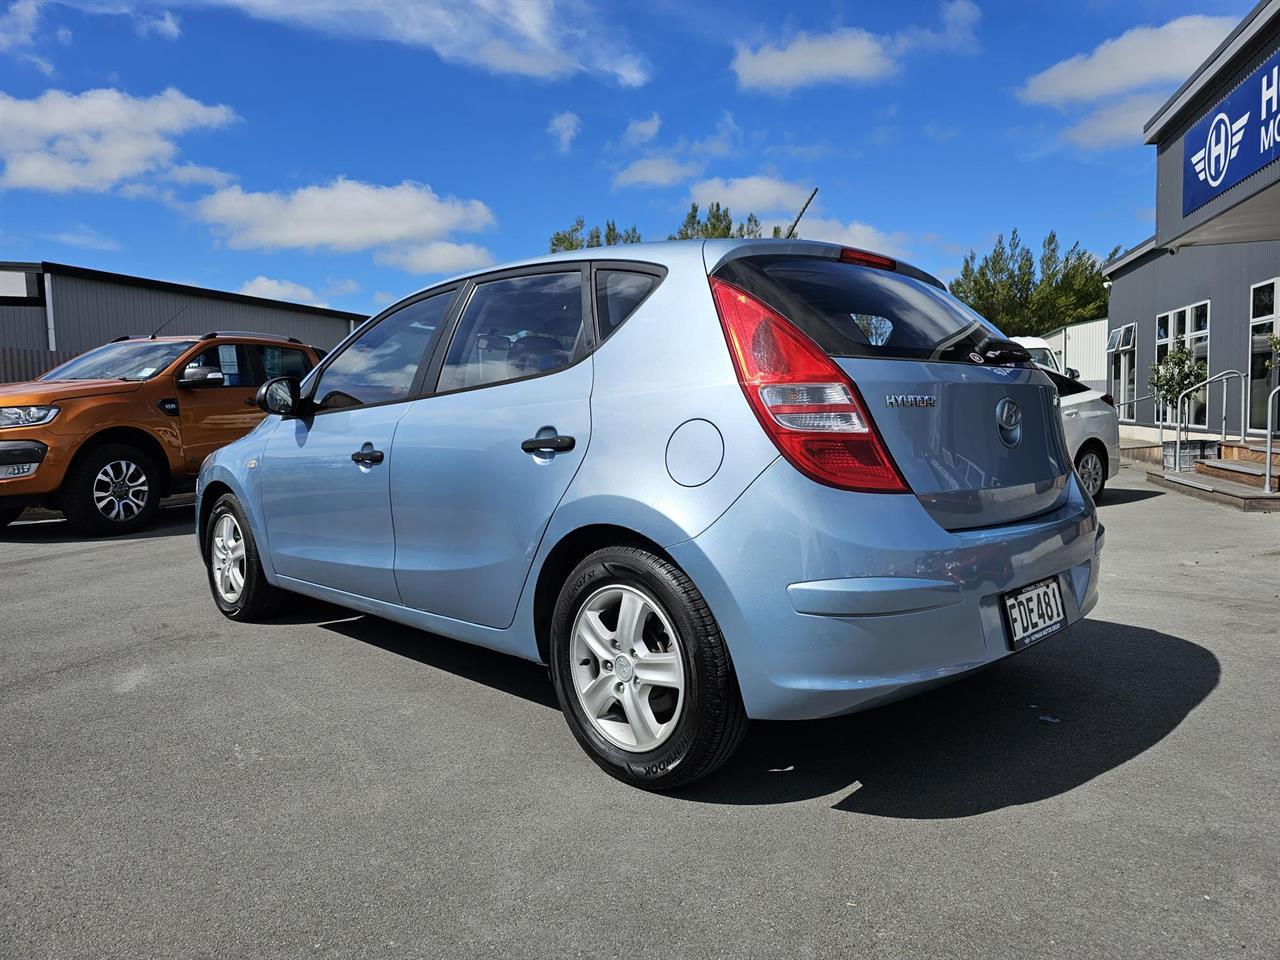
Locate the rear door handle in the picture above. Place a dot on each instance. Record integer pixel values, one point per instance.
(367, 456)
(547, 444)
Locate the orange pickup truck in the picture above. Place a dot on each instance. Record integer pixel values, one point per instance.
(104, 436)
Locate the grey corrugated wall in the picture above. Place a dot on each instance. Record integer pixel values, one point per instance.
(22, 327)
(90, 312)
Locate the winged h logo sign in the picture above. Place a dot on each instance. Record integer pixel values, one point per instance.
(1220, 148)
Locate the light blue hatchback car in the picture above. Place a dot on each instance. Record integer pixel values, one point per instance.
(702, 481)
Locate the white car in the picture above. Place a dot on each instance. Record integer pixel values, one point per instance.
(1092, 429)
(1043, 354)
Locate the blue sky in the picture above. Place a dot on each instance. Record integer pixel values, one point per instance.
(348, 151)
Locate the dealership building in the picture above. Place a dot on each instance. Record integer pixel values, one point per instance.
(51, 312)
(1209, 279)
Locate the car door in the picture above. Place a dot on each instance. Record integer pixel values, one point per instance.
(210, 417)
(481, 465)
(324, 476)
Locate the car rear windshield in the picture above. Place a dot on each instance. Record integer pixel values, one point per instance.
(857, 311)
(126, 360)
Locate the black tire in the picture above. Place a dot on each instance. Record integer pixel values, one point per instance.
(77, 499)
(1089, 450)
(257, 599)
(8, 515)
(711, 722)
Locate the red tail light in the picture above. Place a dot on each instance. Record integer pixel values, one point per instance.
(866, 258)
(806, 404)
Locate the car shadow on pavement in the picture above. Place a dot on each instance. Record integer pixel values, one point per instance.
(1032, 727)
(175, 521)
(1112, 497)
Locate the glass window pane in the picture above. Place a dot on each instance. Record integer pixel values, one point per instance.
(1162, 327)
(1113, 340)
(514, 328)
(230, 359)
(1126, 341)
(1200, 318)
(1180, 323)
(379, 367)
(617, 295)
(1264, 301)
(282, 362)
(127, 360)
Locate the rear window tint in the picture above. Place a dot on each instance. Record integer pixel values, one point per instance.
(618, 293)
(856, 311)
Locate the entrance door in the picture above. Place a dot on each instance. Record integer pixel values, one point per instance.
(1263, 362)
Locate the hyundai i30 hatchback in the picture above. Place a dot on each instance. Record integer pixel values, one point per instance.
(702, 481)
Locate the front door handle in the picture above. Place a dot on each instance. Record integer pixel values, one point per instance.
(547, 444)
(368, 457)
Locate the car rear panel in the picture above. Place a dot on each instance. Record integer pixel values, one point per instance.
(939, 423)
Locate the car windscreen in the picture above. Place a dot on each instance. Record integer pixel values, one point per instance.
(856, 311)
(126, 360)
(1043, 356)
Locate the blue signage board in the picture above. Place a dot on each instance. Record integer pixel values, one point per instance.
(1238, 137)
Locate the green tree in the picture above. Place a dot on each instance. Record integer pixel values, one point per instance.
(1026, 296)
(717, 224)
(574, 239)
(1180, 371)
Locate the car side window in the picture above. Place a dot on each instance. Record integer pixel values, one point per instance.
(281, 361)
(618, 293)
(380, 366)
(514, 328)
(231, 359)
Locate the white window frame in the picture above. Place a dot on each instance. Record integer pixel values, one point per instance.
(1274, 320)
(1173, 339)
(1127, 354)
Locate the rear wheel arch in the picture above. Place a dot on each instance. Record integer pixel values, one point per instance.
(572, 549)
(139, 439)
(1097, 446)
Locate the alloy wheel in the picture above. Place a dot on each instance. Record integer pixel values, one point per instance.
(1090, 470)
(628, 667)
(227, 557)
(120, 490)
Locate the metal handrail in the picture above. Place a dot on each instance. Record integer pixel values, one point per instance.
(1271, 434)
(1224, 376)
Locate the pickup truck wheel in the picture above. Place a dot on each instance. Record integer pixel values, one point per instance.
(110, 490)
(8, 515)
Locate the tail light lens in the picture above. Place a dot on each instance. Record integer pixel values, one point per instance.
(807, 405)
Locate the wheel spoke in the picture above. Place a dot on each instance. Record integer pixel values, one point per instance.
(596, 636)
(644, 725)
(631, 617)
(237, 551)
(660, 670)
(599, 693)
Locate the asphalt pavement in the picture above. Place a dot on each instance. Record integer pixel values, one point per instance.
(174, 785)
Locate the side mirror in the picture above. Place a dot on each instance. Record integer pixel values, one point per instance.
(280, 396)
(1073, 373)
(193, 378)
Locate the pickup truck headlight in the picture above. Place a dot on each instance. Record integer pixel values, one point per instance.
(26, 416)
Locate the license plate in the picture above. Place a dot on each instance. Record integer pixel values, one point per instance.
(1033, 612)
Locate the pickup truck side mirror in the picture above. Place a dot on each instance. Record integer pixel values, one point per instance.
(194, 378)
(280, 396)
(1073, 373)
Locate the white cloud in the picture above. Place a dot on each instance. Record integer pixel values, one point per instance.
(18, 24)
(272, 289)
(642, 131)
(86, 238)
(164, 25)
(344, 216)
(852, 234)
(1138, 58)
(97, 139)
(656, 172)
(191, 173)
(722, 141)
(758, 194)
(547, 39)
(1114, 124)
(438, 257)
(563, 128)
(851, 54)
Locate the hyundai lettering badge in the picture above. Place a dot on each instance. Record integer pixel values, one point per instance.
(910, 400)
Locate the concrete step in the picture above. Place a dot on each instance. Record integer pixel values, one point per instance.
(1241, 471)
(1252, 452)
(1227, 492)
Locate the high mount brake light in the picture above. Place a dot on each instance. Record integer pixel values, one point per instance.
(866, 259)
(808, 406)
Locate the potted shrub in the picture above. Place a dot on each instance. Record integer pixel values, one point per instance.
(1180, 371)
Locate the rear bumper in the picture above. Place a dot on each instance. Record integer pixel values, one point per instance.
(833, 602)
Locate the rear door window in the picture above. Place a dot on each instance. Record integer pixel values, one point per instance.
(857, 311)
(618, 293)
(516, 327)
(281, 361)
